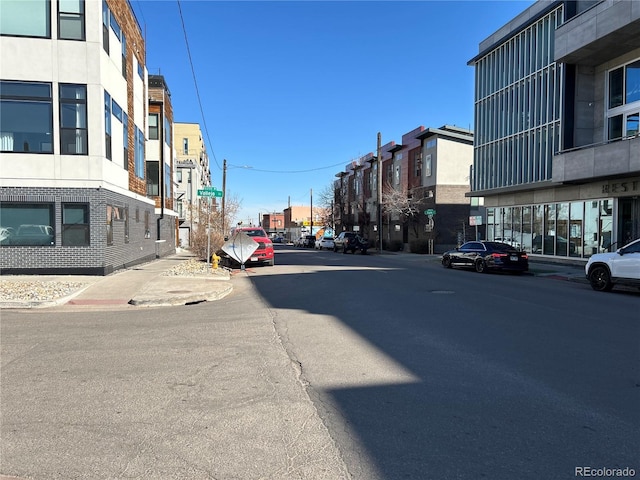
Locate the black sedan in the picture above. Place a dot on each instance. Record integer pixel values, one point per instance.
(485, 256)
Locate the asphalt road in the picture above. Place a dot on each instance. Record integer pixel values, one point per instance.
(330, 366)
(427, 373)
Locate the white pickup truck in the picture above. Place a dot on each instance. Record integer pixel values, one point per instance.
(622, 267)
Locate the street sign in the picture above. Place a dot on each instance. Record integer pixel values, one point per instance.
(207, 192)
(430, 211)
(475, 220)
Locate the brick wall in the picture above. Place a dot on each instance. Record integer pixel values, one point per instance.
(97, 258)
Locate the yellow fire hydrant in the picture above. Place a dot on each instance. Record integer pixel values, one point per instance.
(215, 259)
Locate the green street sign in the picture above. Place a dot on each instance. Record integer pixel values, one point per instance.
(430, 211)
(209, 192)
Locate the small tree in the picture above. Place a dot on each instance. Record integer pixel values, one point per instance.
(211, 220)
(407, 207)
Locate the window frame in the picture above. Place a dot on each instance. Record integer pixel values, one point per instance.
(83, 226)
(619, 115)
(83, 131)
(154, 131)
(27, 99)
(107, 125)
(80, 15)
(10, 220)
(32, 12)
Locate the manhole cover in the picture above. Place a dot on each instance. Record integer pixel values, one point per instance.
(179, 291)
(442, 292)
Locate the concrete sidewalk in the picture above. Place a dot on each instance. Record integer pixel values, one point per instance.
(151, 284)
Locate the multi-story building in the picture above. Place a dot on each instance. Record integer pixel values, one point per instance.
(159, 158)
(424, 182)
(273, 223)
(73, 110)
(192, 173)
(557, 153)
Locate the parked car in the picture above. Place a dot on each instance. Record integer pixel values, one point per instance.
(484, 256)
(622, 267)
(278, 240)
(309, 241)
(350, 241)
(324, 242)
(264, 254)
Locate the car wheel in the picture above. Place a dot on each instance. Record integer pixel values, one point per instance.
(344, 249)
(600, 279)
(481, 266)
(446, 262)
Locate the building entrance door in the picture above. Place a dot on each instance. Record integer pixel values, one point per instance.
(628, 220)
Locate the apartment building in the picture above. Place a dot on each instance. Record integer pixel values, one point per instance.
(424, 184)
(192, 173)
(73, 108)
(557, 152)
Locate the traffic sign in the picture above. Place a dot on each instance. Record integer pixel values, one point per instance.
(430, 211)
(208, 192)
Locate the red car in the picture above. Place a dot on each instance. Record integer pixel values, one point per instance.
(264, 254)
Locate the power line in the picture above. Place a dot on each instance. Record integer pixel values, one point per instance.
(195, 82)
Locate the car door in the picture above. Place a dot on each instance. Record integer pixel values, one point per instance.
(627, 265)
(472, 250)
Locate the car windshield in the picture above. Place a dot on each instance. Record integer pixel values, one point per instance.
(255, 232)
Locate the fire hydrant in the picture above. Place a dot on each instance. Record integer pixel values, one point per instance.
(215, 259)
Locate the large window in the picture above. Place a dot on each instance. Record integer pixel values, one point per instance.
(107, 124)
(624, 101)
(105, 26)
(139, 153)
(153, 126)
(26, 117)
(577, 229)
(73, 119)
(125, 139)
(27, 224)
(27, 19)
(75, 224)
(71, 19)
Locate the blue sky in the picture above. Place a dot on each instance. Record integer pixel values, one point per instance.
(291, 91)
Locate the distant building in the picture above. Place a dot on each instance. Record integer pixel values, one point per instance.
(192, 173)
(273, 223)
(424, 184)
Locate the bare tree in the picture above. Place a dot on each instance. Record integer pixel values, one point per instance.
(407, 207)
(212, 239)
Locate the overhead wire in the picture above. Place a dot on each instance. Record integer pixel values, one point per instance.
(204, 122)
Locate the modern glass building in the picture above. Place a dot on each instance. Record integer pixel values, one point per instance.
(556, 152)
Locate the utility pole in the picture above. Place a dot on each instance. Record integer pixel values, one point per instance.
(224, 192)
(379, 186)
(311, 227)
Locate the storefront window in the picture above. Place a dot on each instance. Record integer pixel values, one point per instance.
(591, 219)
(546, 242)
(563, 246)
(575, 228)
(538, 232)
(527, 231)
(606, 225)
